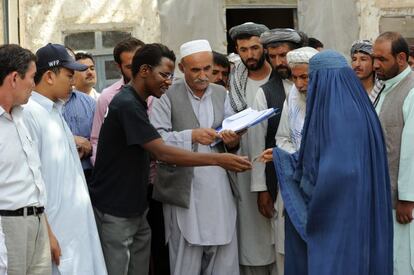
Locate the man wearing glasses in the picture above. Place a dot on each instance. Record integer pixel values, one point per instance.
(127, 138)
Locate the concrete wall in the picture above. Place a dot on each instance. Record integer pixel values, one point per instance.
(1, 23)
(280, 3)
(43, 21)
(371, 11)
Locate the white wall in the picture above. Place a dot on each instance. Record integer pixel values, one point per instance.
(43, 21)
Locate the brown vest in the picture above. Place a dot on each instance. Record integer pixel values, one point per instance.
(392, 122)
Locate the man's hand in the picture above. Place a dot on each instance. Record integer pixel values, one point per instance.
(205, 136)
(230, 138)
(233, 162)
(265, 204)
(55, 249)
(265, 156)
(404, 211)
(84, 146)
(54, 245)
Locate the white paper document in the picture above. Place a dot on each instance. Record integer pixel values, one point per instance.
(246, 119)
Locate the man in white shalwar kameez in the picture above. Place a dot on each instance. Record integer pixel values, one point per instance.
(395, 108)
(69, 208)
(256, 242)
(202, 233)
(289, 134)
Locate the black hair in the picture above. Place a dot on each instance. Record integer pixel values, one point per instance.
(14, 58)
(84, 55)
(243, 36)
(314, 43)
(41, 72)
(221, 60)
(150, 54)
(292, 46)
(304, 39)
(411, 48)
(398, 43)
(129, 44)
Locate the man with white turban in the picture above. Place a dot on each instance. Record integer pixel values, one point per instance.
(288, 136)
(199, 203)
(277, 43)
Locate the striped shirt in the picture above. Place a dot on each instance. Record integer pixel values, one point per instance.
(376, 89)
(78, 113)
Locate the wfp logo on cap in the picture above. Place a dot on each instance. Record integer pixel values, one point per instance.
(53, 63)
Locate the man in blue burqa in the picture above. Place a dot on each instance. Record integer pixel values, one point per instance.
(336, 189)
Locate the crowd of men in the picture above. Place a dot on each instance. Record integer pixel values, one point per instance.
(136, 178)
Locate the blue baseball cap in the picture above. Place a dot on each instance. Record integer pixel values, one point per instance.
(56, 55)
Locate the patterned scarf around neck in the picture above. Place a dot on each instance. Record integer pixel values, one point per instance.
(238, 82)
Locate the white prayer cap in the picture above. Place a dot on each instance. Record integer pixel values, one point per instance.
(301, 55)
(194, 46)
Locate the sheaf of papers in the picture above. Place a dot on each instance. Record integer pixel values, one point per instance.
(245, 119)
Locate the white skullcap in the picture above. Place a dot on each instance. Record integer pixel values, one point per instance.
(194, 46)
(301, 55)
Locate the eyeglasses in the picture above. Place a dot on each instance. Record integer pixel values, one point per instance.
(166, 76)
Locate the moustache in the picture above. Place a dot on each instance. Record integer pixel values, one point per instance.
(201, 80)
(282, 67)
(252, 59)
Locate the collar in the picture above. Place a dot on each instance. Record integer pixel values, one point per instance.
(132, 90)
(15, 112)
(46, 103)
(398, 78)
(120, 83)
(2, 111)
(72, 96)
(207, 92)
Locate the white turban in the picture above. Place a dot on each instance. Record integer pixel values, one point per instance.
(194, 46)
(301, 55)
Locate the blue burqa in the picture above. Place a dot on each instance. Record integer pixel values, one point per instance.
(336, 189)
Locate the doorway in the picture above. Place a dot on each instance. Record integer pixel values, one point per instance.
(271, 17)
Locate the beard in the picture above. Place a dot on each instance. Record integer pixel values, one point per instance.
(254, 67)
(284, 71)
(126, 78)
(390, 73)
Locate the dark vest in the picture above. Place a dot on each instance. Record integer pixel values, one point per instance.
(173, 183)
(392, 122)
(274, 92)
